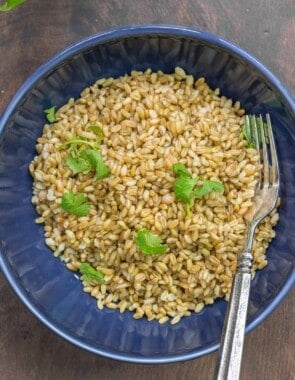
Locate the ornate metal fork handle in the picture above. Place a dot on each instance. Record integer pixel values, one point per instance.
(235, 321)
(230, 354)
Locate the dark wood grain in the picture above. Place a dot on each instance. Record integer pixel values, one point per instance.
(33, 32)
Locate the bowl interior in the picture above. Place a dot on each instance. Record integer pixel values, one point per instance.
(55, 294)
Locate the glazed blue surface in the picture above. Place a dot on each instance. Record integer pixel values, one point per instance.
(42, 282)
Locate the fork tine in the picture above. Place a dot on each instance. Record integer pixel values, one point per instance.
(265, 160)
(273, 152)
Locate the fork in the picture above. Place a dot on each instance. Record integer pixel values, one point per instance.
(266, 194)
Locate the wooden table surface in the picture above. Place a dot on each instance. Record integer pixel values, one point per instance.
(32, 33)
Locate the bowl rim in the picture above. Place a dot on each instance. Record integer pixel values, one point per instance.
(67, 53)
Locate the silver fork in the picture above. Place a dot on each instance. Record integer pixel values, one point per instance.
(266, 194)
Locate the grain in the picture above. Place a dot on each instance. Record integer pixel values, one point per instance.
(150, 121)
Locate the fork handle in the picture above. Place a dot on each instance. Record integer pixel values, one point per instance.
(231, 349)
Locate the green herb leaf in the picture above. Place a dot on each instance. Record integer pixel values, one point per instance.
(98, 131)
(183, 188)
(75, 203)
(10, 4)
(265, 128)
(149, 243)
(261, 125)
(207, 187)
(254, 122)
(180, 169)
(102, 171)
(90, 274)
(77, 141)
(97, 164)
(50, 114)
(247, 131)
(79, 163)
(81, 160)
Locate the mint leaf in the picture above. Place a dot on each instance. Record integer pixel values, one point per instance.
(75, 203)
(50, 114)
(206, 187)
(10, 4)
(90, 274)
(180, 169)
(149, 243)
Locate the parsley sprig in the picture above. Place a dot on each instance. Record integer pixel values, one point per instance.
(50, 114)
(96, 162)
(75, 204)
(90, 274)
(179, 169)
(149, 243)
(97, 129)
(84, 155)
(187, 188)
(78, 163)
(85, 161)
(78, 143)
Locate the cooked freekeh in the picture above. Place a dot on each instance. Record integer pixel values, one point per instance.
(150, 121)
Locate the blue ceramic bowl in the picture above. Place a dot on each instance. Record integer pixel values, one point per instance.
(42, 282)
